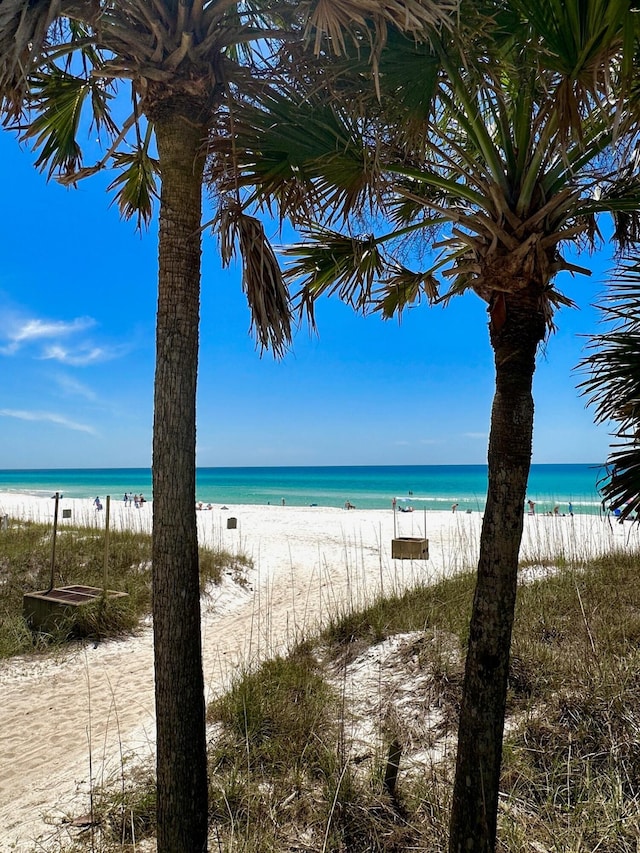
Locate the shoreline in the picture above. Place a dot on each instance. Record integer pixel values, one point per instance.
(309, 564)
(368, 487)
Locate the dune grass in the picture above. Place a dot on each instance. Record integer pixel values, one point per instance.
(290, 769)
(25, 566)
(571, 770)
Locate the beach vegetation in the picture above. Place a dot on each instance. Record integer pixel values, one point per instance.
(25, 566)
(445, 605)
(484, 157)
(302, 745)
(127, 815)
(272, 713)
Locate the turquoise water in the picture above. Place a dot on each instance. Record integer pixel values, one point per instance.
(368, 487)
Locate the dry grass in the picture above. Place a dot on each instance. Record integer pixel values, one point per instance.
(25, 566)
(304, 748)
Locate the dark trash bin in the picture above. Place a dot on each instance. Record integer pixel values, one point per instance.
(232, 523)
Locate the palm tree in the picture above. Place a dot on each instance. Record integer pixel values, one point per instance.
(613, 385)
(497, 138)
(180, 61)
(181, 64)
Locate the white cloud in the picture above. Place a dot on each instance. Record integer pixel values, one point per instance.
(52, 329)
(25, 331)
(79, 357)
(51, 417)
(73, 388)
(56, 340)
(475, 435)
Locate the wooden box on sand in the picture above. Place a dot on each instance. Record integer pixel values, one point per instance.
(409, 548)
(44, 611)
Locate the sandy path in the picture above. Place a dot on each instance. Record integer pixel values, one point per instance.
(97, 702)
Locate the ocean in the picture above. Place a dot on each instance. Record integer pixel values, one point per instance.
(367, 487)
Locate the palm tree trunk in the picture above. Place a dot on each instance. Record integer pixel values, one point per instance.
(179, 687)
(475, 796)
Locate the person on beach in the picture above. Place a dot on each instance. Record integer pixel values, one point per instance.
(570, 508)
(97, 503)
(454, 507)
(532, 507)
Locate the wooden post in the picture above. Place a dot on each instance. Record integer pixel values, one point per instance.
(52, 581)
(106, 544)
(392, 767)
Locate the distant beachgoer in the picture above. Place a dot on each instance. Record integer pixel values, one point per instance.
(282, 501)
(532, 507)
(556, 510)
(136, 501)
(199, 505)
(454, 507)
(141, 499)
(570, 508)
(393, 503)
(349, 505)
(97, 503)
(126, 499)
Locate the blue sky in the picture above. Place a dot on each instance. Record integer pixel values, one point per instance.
(77, 315)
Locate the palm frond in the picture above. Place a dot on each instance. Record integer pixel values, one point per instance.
(620, 487)
(333, 19)
(620, 196)
(612, 386)
(333, 263)
(24, 27)
(580, 39)
(59, 99)
(407, 87)
(135, 185)
(262, 279)
(298, 155)
(403, 287)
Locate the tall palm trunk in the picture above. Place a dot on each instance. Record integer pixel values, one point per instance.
(180, 711)
(475, 796)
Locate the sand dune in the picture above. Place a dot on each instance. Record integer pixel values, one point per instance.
(73, 718)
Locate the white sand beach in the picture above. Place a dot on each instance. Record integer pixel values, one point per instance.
(72, 718)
